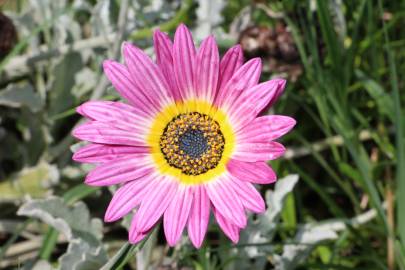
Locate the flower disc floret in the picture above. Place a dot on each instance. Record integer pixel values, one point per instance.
(193, 143)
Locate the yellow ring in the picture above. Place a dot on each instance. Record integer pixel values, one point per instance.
(163, 118)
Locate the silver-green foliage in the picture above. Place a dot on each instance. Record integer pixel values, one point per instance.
(85, 250)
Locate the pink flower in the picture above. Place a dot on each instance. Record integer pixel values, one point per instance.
(189, 138)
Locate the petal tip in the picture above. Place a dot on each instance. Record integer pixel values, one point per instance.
(237, 50)
(156, 32)
(171, 242)
(108, 66)
(282, 83)
(107, 63)
(126, 44)
(135, 237)
(76, 157)
(237, 47)
(243, 223)
(76, 132)
(109, 217)
(261, 207)
(80, 110)
(235, 239)
(128, 49)
(257, 61)
(181, 31)
(90, 181)
(292, 122)
(211, 38)
(197, 243)
(182, 26)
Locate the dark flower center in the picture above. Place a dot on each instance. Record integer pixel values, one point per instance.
(193, 143)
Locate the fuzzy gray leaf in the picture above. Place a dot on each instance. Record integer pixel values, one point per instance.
(73, 222)
(275, 199)
(307, 238)
(82, 256)
(263, 229)
(42, 265)
(85, 81)
(208, 16)
(312, 234)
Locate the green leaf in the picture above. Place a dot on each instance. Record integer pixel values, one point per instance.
(350, 172)
(123, 255)
(61, 97)
(382, 98)
(126, 252)
(324, 253)
(329, 35)
(16, 96)
(399, 132)
(288, 213)
(118, 257)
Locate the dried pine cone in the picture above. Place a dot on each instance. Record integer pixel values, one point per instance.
(275, 46)
(8, 35)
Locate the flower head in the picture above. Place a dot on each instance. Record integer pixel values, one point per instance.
(188, 140)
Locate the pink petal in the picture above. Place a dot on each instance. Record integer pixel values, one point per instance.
(101, 153)
(230, 230)
(250, 197)
(155, 202)
(147, 76)
(107, 111)
(122, 81)
(164, 58)
(135, 237)
(230, 63)
(226, 201)
(176, 215)
(109, 133)
(207, 70)
(245, 77)
(266, 128)
(252, 152)
(279, 92)
(199, 216)
(184, 60)
(252, 101)
(126, 198)
(254, 172)
(119, 171)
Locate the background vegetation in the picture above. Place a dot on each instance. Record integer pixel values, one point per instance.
(338, 202)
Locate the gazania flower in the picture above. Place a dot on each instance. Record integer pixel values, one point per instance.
(189, 139)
